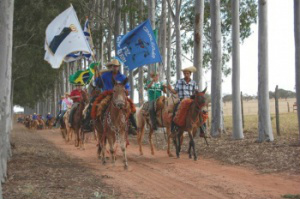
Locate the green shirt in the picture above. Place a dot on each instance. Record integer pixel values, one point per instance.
(155, 90)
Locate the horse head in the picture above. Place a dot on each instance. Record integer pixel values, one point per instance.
(200, 98)
(119, 98)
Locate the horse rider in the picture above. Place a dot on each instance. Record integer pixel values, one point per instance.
(48, 118)
(34, 116)
(186, 87)
(66, 103)
(105, 82)
(154, 88)
(76, 96)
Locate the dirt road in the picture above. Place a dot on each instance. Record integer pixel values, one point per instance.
(162, 177)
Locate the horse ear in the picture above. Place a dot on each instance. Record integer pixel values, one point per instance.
(125, 81)
(204, 91)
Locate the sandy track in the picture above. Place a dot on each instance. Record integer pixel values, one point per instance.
(162, 177)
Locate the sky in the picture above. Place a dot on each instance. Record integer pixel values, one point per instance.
(281, 52)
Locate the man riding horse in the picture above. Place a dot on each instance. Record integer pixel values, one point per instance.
(76, 96)
(105, 82)
(186, 87)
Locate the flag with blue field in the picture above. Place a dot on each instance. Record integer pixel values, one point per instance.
(138, 47)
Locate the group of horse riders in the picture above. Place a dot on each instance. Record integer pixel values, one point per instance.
(104, 81)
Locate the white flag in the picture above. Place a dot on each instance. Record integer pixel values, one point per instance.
(64, 35)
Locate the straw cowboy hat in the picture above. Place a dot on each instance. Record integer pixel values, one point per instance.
(191, 69)
(67, 93)
(114, 62)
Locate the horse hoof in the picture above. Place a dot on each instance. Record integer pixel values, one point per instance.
(190, 156)
(195, 158)
(126, 167)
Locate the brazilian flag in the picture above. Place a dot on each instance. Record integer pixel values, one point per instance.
(83, 77)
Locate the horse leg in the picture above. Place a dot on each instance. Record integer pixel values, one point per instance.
(150, 140)
(111, 147)
(169, 141)
(123, 148)
(140, 137)
(191, 144)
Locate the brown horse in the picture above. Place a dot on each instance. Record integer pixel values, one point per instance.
(113, 125)
(50, 123)
(193, 121)
(77, 121)
(164, 107)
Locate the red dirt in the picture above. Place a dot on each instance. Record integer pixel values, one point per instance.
(162, 177)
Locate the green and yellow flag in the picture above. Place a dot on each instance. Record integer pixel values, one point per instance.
(83, 77)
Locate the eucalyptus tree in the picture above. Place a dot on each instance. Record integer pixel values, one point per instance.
(6, 40)
(236, 97)
(297, 54)
(264, 122)
(216, 72)
(198, 41)
(176, 18)
(163, 41)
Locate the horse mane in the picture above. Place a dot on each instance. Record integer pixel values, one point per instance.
(182, 111)
(97, 101)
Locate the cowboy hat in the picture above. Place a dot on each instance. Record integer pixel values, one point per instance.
(67, 93)
(114, 62)
(191, 69)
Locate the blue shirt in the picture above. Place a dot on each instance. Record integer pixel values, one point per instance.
(34, 117)
(107, 80)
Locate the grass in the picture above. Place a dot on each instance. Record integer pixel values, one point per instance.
(291, 196)
(288, 123)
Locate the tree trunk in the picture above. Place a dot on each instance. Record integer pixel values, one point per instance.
(198, 41)
(264, 121)
(297, 54)
(109, 31)
(163, 41)
(117, 23)
(169, 52)
(6, 35)
(216, 72)
(151, 16)
(236, 97)
(178, 40)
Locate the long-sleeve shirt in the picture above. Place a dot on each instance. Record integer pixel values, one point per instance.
(66, 102)
(106, 83)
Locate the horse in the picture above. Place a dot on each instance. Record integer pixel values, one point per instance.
(77, 121)
(192, 121)
(50, 123)
(164, 107)
(112, 126)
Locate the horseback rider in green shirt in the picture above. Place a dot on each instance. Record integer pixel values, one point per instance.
(154, 88)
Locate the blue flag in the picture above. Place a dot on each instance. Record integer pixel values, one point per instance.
(138, 47)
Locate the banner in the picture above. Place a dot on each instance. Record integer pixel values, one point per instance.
(83, 77)
(138, 47)
(64, 35)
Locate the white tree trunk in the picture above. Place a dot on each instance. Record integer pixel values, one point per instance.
(216, 72)
(264, 121)
(178, 39)
(163, 41)
(169, 47)
(236, 97)
(6, 38)
(151, 16)
(198, 41)
(297, 54)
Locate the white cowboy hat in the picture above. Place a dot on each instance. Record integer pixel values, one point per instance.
(191, 69)
(114, 62)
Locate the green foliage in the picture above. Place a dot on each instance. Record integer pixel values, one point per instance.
(291, 196)
(32, 76)
(282, 94)
(248, 16)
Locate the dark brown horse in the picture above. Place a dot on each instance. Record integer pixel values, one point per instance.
(193, 121)
(77, 121)
(113, 125)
